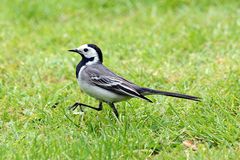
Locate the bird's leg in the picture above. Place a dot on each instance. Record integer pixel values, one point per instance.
(114, 109)
(73, 107)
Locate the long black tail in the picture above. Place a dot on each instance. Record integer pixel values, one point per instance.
(148, 91)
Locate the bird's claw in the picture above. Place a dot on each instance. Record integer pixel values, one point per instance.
(74, 107)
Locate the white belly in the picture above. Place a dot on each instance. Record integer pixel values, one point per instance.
(100, 93)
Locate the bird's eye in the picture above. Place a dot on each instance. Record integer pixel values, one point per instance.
(85, 49)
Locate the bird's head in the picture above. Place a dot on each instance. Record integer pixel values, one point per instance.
(89, 51)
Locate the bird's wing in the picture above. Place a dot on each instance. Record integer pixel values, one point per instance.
(116, 84)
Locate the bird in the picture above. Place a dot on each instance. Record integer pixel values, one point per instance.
(106, 86)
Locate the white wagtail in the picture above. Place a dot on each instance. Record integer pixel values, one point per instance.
(105, 86)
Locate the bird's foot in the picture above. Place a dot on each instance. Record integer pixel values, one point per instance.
(74, 107)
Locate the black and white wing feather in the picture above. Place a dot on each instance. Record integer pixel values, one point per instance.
(117, 85)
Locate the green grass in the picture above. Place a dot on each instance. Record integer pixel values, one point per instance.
(185, 46)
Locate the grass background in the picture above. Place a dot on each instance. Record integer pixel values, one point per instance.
(186, 46)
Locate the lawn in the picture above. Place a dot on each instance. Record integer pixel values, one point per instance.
(185, 46)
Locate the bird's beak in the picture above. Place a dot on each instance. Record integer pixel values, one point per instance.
(74, 50)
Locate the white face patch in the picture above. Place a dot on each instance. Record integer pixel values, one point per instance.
(88, 52)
